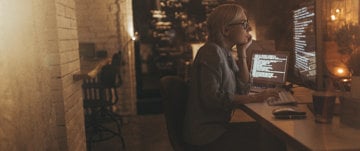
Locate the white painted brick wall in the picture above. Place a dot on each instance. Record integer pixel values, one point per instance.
(97, 23)
(69, 64)
(41, 107)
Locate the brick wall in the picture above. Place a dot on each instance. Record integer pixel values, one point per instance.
(71, 106)
(97, 23)
(27, 115)
(40, 107)
(109, 24)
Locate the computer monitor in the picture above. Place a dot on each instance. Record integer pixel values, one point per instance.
(269, 68)
(308, 56)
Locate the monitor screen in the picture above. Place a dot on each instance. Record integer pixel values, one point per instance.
(269, 67)
(305, 43)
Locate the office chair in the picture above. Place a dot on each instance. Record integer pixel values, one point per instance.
(174, 91)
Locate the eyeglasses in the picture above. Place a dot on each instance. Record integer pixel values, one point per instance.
(244, 24)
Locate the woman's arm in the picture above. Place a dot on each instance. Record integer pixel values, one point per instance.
(244, 77)
(258, 97)
(242, 63)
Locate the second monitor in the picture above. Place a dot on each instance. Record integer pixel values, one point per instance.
(269, 68)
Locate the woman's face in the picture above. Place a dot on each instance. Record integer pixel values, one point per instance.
(238, 32)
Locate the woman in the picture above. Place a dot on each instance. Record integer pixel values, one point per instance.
(219, 84)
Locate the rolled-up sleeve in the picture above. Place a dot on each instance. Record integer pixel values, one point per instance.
(244, 87)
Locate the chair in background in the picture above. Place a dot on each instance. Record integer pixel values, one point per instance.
(100, 94)
(174, 91)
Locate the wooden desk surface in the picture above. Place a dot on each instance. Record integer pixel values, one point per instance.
(305, 134)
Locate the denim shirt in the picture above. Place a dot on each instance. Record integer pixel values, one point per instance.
(214, 81)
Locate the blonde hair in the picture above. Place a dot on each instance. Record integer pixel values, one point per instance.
(219, 18)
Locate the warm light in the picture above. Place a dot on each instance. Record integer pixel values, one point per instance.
(345, 80)
(333, 17)
(131, 30)
(253, 34)
(337, 10)
(340, 71)
(135, 36)
(253, 30)
(195, 47)
(130, 24)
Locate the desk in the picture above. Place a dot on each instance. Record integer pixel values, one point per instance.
(305, 134)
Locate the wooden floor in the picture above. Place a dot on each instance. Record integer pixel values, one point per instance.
(141, 133)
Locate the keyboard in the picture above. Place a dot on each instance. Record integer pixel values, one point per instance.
(285, 98)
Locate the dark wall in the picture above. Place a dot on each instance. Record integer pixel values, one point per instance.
(274, 21)
(142, 17)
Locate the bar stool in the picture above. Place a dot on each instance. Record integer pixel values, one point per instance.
(100, 94)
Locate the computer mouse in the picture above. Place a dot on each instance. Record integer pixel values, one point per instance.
(287, 111)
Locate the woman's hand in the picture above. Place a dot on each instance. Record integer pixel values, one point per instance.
(262, 96)
(241, 48)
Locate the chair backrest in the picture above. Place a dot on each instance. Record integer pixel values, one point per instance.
(107, 75)
(174, 91)
(101, 91)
